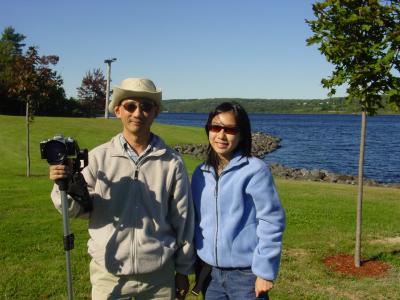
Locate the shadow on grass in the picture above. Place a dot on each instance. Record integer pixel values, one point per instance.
(392, 257)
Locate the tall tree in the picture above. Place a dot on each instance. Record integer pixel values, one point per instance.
(32, 80)
(12, 57)
(361, 39)
(11, 46)
(14, 39)
(92, 92)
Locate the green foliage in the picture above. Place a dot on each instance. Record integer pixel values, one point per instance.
(33, 81)
(27, 77)
(331, 105)
(13, 39)
(361, 39)
(319, 223)
(92, 92)
(10, 46)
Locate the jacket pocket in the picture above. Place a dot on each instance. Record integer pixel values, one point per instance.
(152, 255)
(243, 246)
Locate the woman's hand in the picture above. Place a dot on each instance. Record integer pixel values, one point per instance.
(262, 286)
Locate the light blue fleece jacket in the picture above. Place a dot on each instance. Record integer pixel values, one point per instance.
(239, 217)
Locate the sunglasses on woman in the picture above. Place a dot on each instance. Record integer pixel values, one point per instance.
(145, 106)
(227, 130)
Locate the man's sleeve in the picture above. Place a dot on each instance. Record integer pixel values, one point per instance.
(74, 208)
(182, 220)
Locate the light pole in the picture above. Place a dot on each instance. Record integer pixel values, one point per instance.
(108, 62)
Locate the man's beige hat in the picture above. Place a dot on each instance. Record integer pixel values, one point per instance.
(135, 88)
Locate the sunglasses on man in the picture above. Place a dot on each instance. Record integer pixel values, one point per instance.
(228, 130)
(131, 106)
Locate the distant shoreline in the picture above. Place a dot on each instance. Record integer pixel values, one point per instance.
(290, 113)
(337, 105)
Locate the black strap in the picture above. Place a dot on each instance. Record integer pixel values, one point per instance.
(77, 189)
(69, 242)
(202, 276)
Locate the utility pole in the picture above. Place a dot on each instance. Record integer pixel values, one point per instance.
(108, 62)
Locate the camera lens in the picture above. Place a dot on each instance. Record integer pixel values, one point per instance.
(55, 152)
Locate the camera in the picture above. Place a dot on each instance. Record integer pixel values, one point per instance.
(59, 149)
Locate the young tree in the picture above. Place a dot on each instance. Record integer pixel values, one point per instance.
(361, 38)
(92, 92)
(31, 82)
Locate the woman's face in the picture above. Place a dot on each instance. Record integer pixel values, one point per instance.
(224, 134)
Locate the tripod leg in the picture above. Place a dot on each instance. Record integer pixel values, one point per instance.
(68, 241)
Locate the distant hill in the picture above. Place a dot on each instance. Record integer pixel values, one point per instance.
(331, 105)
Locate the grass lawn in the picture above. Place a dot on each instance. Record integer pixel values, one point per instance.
(320, 223)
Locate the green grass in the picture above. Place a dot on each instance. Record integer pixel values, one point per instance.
(320, 222)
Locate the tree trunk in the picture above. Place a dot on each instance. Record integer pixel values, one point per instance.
(28, 159)
(357, 257)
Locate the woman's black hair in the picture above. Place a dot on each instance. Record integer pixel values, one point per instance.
(242, 122)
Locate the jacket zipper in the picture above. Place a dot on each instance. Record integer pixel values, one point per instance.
(216, 216)
(134, 241)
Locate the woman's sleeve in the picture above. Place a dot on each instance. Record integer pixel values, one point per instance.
(271, 224)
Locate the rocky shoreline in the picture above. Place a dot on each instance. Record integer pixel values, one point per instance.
(322, 175)
(262, 144)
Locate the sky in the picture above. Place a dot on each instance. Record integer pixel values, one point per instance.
(190, 49)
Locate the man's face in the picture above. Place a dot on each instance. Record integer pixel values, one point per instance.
(136, 115)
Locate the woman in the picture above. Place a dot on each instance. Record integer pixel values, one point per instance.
(239, 218)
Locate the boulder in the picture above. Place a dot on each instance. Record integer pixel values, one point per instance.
(262, 144)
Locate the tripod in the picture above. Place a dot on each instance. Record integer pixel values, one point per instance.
(57, 151)
(68, 236)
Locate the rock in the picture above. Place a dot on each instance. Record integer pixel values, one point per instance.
(322, 175)
(262, 144)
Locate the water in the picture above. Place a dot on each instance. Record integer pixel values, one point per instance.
(328, 142)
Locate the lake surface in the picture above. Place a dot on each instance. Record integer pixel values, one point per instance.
(328, 142)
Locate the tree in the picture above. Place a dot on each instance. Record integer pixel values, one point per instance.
(361, 39)
(14, 39)
(10, 48)
(31, 83)
(92, 92)
(12, 58)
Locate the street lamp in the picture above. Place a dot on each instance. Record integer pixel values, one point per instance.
(108, 62)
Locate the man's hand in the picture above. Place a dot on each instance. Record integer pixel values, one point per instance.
(181, 286)
(58, 172)
(262, 286)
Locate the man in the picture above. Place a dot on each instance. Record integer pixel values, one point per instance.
(141, 222)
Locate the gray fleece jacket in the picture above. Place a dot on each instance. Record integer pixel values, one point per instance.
(142, 214)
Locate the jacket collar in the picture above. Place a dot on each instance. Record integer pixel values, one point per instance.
(158, 146)
(237, 161)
